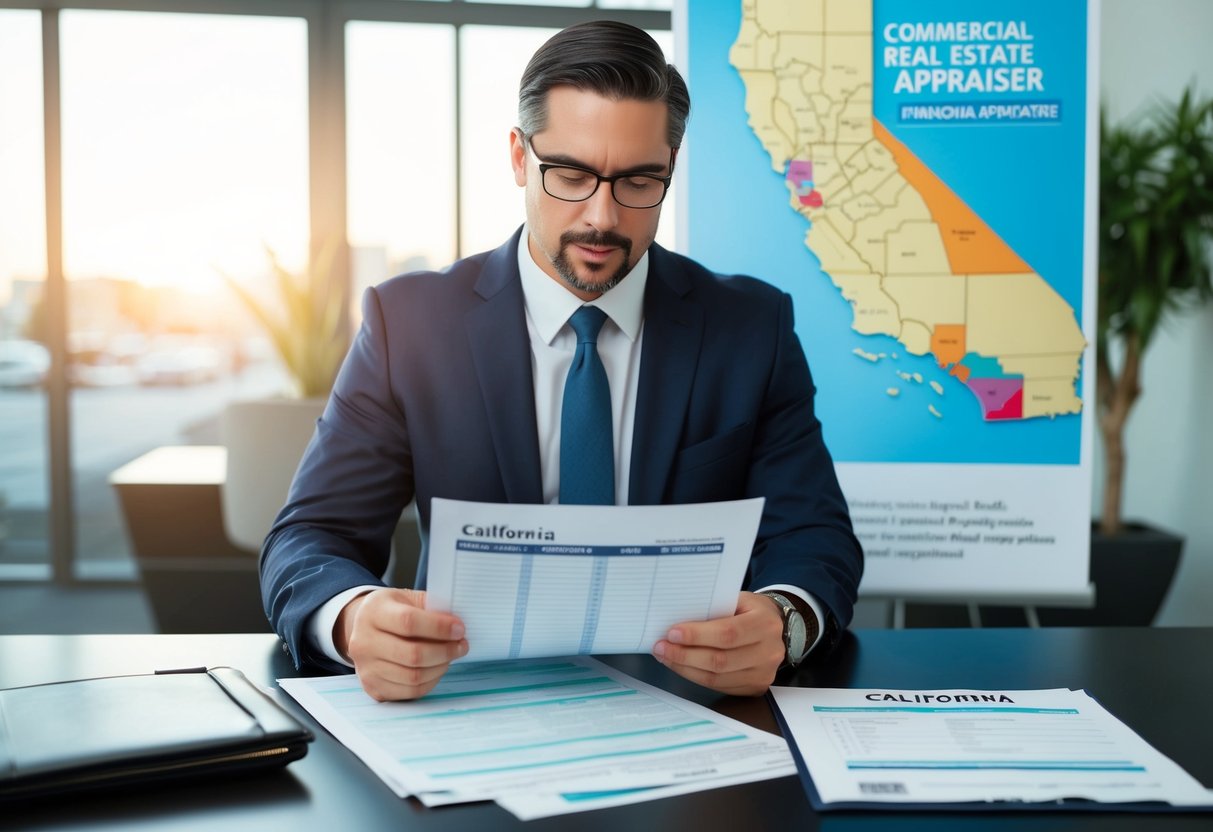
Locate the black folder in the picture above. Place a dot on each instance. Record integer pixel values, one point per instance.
(117, 731)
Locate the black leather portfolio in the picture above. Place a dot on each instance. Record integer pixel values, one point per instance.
(120, 730)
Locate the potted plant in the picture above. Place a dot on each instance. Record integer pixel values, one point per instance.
(266, 437)
(1155, 256)
(209, 583)
(1155, 259)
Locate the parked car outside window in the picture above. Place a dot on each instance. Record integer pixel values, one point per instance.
(23, 363)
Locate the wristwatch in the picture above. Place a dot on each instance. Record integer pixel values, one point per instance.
(795, 631)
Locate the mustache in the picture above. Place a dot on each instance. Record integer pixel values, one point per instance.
(595, 239)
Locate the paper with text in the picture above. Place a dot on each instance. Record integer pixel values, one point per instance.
(954, 746)
(541, 736)
(557, 580)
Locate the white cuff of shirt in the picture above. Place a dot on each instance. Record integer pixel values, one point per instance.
(320, 625)
(813, 603)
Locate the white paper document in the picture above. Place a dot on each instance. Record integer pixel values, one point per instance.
(962, 746)
(557, 580)
(541, 737)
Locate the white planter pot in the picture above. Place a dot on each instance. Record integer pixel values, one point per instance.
(265, 440)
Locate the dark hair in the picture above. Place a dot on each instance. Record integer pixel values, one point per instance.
(615, 60)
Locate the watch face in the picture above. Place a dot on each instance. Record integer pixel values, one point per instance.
(797, 636)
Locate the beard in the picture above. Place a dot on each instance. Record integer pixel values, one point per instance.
(593, 240)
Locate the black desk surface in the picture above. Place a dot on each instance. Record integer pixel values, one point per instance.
(1156, 680)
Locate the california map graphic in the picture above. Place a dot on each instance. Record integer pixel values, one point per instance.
(910, 257)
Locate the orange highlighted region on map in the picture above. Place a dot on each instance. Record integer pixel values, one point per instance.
(948, 343)
(971, 245)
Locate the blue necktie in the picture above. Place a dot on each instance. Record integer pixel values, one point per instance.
(587, 446)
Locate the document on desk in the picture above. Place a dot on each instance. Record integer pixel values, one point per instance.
(995, 749)
(557, 580)
(541, 737)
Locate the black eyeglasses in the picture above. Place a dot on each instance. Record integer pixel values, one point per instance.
(570, 183)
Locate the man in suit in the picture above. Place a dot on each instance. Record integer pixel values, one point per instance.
(455, 387)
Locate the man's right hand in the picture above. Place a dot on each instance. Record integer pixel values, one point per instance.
(399, 649)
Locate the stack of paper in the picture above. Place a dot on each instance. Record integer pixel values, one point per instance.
(542, 737)
(993, 749)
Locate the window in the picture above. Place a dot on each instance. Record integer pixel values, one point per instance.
(184, 158)
(24, 338)
(491, 203)
(400, 149)
(186, 148)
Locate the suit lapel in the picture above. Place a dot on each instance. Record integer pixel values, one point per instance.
(501, 351)
(673, 332)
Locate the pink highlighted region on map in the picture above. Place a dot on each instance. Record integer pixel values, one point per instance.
(800, 179)
(1000, 398)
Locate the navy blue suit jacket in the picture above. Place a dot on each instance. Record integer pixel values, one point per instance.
(435, 399)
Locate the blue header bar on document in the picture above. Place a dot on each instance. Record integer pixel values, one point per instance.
(593, 551)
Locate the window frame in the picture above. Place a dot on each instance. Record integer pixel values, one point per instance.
(327, 189)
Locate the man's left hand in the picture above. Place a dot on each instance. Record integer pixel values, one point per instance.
(737, 654)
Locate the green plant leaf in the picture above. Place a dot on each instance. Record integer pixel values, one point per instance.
(1155, 228)
(306, 324)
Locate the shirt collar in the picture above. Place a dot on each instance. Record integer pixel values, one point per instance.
(550, 304)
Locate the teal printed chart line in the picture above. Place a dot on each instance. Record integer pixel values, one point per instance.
(581, 797)
(665, 729)
(478, 670)
(509, 706)
(995, 765)
(588, 757)
(925, 710)
(460, 672)
(520, 688)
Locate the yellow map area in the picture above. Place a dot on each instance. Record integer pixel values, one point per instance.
(912, 259)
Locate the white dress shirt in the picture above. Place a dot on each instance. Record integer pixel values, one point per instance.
(549, 305)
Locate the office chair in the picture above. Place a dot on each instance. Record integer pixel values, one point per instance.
(265, 440)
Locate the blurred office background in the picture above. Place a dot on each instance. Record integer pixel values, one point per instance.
(169, 149)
